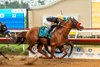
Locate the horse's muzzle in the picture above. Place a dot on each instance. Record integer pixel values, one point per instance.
(80, 28)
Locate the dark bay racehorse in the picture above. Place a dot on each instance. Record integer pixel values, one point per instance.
(3, 28)
(58, 38)
(3, 31)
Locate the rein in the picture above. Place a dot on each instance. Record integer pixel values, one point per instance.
(65, 23)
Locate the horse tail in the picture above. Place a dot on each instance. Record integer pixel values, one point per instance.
(71, 44)
(21, 38)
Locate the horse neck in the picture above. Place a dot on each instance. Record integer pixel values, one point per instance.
(66, 30)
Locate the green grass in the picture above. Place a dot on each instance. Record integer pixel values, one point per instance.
(14, 49)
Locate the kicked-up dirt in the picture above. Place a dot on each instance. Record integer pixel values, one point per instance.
(25, 61)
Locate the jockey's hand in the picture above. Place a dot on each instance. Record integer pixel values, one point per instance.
(58, 26)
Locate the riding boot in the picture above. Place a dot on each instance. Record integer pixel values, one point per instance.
(49, 33)
(50, 30)
(52, 27)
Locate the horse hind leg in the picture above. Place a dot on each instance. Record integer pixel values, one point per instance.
(47, 49)
(53, 47)
(30, 48)
(39, 47)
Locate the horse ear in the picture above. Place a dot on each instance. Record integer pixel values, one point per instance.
(71, 17)
(74, 18)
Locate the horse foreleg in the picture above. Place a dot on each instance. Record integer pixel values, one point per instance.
(40, 51)
(63, 49)
(53, 51)
(71, 44)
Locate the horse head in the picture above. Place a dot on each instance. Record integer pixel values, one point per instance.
(76, 24)
(72, 23)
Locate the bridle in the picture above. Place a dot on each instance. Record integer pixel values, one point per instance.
(75, 24)
(64, 25)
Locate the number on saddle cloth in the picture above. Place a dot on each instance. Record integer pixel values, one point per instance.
(43, 32)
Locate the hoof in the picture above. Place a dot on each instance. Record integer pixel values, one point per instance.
(35, 59)
(45, 57)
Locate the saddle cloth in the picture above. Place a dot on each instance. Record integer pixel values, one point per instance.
(43, 32)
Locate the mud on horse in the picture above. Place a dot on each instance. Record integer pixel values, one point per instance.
(58, 38)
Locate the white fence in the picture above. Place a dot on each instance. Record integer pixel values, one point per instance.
(85, 33)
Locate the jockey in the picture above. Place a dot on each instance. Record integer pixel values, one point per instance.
(3, 27)
(7, 33)
(55, 22)
(4, 30)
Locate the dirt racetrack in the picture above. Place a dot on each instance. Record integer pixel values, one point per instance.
(24, 61)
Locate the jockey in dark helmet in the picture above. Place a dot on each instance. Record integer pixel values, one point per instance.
(56, 22)
(3, 27)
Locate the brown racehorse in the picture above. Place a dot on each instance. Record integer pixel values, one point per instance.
(58, 38)
(21, 38)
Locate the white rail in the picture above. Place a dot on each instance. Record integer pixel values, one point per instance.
(91, 32)
(17, 30)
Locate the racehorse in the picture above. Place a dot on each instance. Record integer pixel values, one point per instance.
(3, 31)
(21, 38)
(3, 27)
(58, 38)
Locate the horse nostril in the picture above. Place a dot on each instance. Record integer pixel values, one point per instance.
(81, 27)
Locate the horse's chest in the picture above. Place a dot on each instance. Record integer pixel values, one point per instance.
(61, 38)
(58, 40)
(61, 41)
